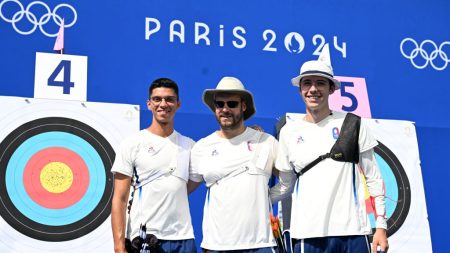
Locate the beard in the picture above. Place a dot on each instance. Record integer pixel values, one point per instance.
(231, 122)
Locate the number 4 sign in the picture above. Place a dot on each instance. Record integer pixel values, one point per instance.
(351, 97)
(60, 76)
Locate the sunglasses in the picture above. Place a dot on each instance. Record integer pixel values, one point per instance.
(230, 104)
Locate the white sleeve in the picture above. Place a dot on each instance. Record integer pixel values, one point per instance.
(375, 185)
(194, 163)
(282, 161)
(124, 161)
(284, 187)
(366, 139)
(274, 150)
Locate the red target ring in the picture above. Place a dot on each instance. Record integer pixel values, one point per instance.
(53, 186)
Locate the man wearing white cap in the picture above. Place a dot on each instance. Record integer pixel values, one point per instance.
(328, 204)
(235, 163)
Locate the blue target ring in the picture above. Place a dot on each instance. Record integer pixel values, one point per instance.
(63, 224)
(391, 188)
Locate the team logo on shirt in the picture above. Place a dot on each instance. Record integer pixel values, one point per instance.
(300, 140)
(214, 152)
(151, 150)
(335, 132)
(250, 145)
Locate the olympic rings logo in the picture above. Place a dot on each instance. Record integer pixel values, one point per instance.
(428, 57)
(35, 21)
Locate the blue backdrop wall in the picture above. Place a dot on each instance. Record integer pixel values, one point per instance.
(401, 48)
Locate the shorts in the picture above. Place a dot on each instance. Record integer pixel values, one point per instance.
(258, 250)
(332, 244)
(178, 246)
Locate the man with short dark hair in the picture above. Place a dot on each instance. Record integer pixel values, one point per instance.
(155, 161)
(328, 204)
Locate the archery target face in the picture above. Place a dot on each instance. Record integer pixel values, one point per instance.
(55, 162)
(57, 178)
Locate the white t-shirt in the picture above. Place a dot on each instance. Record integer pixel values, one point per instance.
(237, 206)
(161, 202)
(329, 199)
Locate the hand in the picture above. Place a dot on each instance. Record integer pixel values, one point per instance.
(380, 239)
(257, 128)
(120, 249)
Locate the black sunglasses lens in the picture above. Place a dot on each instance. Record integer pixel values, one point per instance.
(219, 104)
(230, 104)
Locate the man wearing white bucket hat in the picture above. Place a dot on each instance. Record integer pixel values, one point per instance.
(236, 164)
(328, 204)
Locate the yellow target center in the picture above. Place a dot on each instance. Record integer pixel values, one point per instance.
(56, 177)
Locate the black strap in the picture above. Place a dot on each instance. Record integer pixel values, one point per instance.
(346, 148)
(312, 164)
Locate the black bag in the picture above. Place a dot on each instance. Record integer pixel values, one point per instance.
(346, 147)
(139, 244)
(149, 244)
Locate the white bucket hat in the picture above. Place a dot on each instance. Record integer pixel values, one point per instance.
(230, 85)
(320, 67)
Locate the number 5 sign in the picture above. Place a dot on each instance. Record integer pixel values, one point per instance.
(60, 76)
(351, 97)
